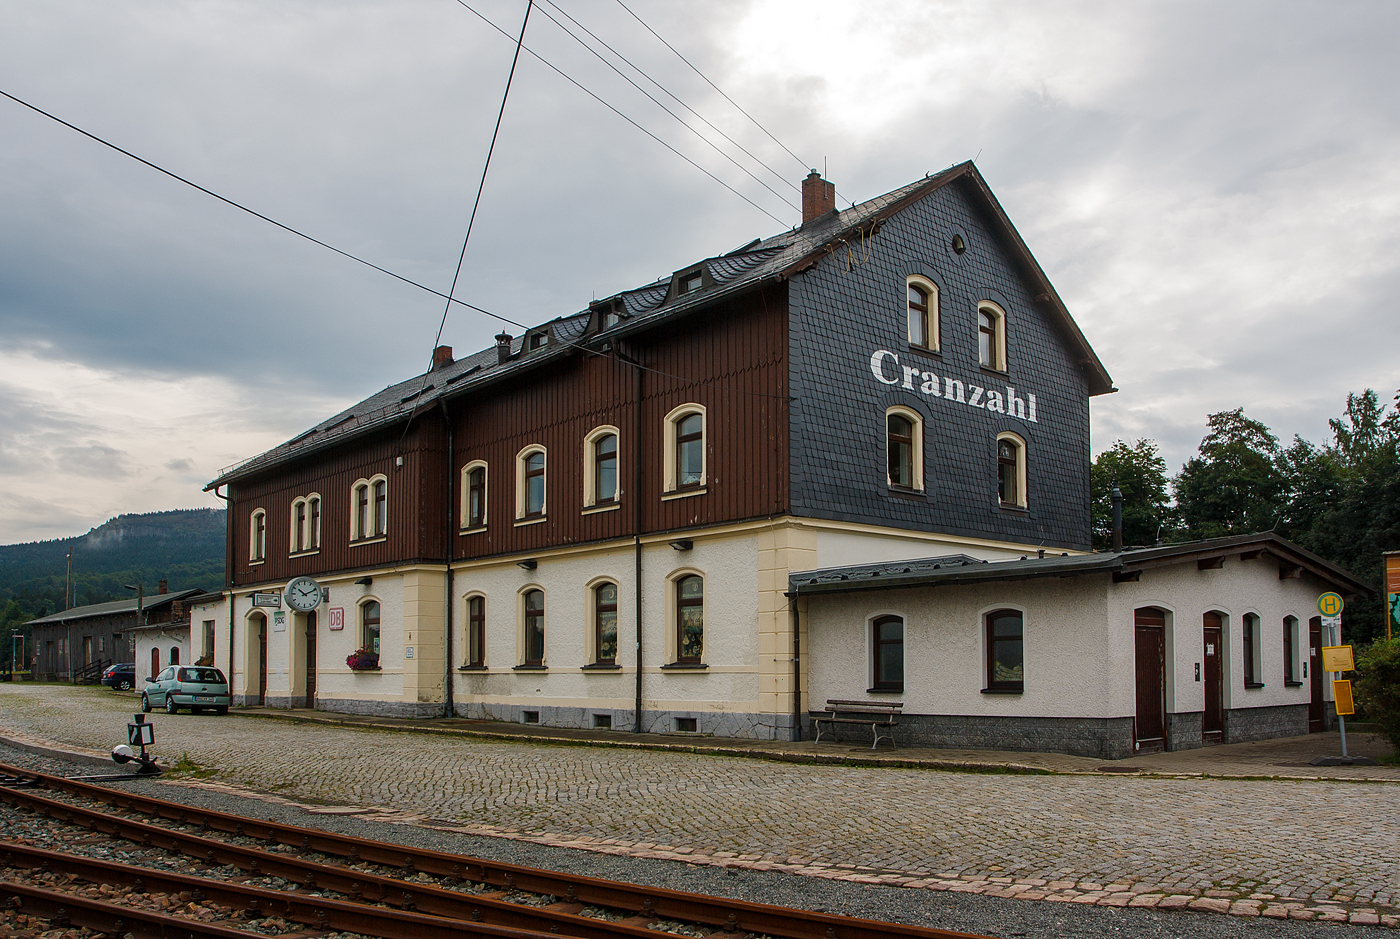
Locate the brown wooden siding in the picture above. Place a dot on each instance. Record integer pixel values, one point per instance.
(732, 360)
(414, 505)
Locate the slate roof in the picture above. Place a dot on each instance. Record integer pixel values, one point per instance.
(960, 569)
(114, 606)
(733, 273)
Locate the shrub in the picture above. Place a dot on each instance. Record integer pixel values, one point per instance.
(363, 659)
(1378, 687)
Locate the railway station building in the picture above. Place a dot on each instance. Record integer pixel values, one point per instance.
(631, 517)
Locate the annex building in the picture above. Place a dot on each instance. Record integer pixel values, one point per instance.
(633, 517)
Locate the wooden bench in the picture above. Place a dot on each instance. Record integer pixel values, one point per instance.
(874, 714)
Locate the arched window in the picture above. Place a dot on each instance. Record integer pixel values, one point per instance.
(534, 628)
(530, 483)
(369, 626)
(1011, 471)
(381, 507)
(306, 523)
(605, 624)
(369, 508)
(991, 336)
(922, 309)
(476, 632)
(1249, 649)
(887, 653)
(257, 536)
(690, 619)
(174, 655)
(904, 449)
(1290, 649)
(155, 662)
(313, 523)
(685, 449)
(298, 525)
(600, 476)
(474, 495)
(359, 518)
(1006, 669)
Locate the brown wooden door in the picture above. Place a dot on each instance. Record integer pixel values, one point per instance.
(87, 650)
(1316, 724)
(311, 660)
(262, 662)
(1149, 727)
(1213, 720)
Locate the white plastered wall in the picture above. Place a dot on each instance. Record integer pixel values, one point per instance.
(1065, 631)
(176, 637)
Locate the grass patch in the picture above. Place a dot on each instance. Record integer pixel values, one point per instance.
(185, 766)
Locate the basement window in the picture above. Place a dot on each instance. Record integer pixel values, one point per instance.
(602, 722)
(529, 717)
(685, 725)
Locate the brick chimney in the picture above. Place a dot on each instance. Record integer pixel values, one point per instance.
(442, 355)
(163, 586)
(818, 197)
(503, 348)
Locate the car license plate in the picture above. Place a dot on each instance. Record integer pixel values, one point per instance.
(204, 697)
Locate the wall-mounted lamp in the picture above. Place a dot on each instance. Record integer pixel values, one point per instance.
(684, 544)
(528, 564)
(365, 581)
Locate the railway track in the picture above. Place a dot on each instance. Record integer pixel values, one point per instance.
(414, 893)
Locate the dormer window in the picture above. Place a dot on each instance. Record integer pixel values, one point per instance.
(610, 313)
(538, 340)
(690, 283)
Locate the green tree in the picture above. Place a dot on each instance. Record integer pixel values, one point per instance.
(1378, 687)
(1235, 486)
(1140, 474)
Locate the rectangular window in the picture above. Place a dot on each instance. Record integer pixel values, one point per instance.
(1005, 653)
(381, 507)
(534, 484)
(605, 469)
(369, 627)
(476, 497)
(361, 511)
(690, 451)
(900, 451)
(1290, 642)
(605, 624)
(690, 619)
(299, 528)
(208, 648)
(534, 627)
(1249, 634)
(476, 632)
(314, 505)
(888, 642)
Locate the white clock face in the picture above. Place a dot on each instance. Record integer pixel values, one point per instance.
(303, 594)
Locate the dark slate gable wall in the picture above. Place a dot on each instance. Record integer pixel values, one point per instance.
(840, 313)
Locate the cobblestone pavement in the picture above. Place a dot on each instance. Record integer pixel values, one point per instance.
(1274, 848)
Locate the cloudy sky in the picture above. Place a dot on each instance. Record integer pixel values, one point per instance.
(1213, 188)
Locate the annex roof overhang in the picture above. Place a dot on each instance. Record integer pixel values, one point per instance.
(1293, 560)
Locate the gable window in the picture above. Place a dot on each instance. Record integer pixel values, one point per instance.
(530, 483)
(690, 619)
(1249, 649)
(600, 478)
(685, 449)
(1005, 655)
(369, 626)
(605, 624)
(369, 508)
(991, 336)
(534, 628)
(922, 309)
(904, 449)
(476, 632)
(257, 536)
(887, 653)
(1011, 471)
(1290, 645)
(474, 495)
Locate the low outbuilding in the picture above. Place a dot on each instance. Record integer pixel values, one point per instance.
(1105, 655)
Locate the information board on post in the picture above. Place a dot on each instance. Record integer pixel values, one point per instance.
(1338, 659)
(1392, 593)
(1341, 694)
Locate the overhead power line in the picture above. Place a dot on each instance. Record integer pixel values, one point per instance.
(640, 71)
(571, 80)
(805, 164)
(330, 247)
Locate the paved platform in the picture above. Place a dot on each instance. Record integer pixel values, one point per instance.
(1240, 829)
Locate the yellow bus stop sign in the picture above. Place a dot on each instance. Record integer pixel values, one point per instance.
(1338, 659)
(1341, 694)
(1330, 604)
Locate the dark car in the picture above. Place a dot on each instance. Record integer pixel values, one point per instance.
(121, 676)
(190, 686)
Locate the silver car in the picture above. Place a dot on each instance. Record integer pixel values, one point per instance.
(187, 686)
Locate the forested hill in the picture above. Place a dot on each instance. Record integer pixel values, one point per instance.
(185, 547)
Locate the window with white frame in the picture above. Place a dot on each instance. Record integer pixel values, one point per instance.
(904, 449)
(532, 631)
(600, 476)
(685, 449)
(604, 596)
(306, 523)
(921, 305)
(474, 495)
(991, 336)
(1011, 471)
(530, 489)
(369, 508)
(257, 536)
